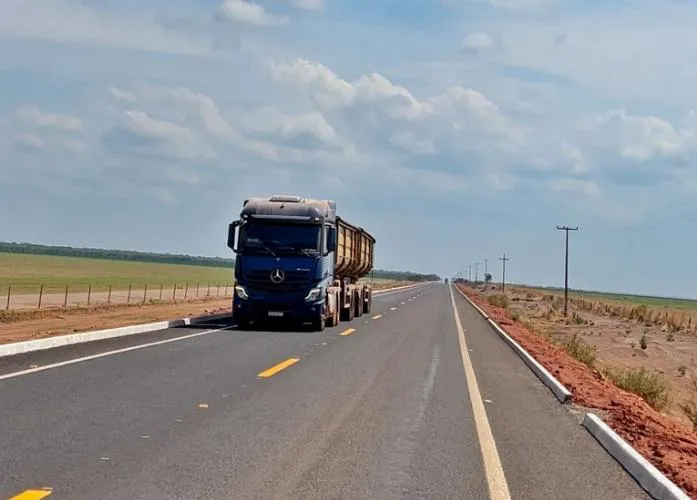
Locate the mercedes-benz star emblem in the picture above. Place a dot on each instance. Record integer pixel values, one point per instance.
(277, 275)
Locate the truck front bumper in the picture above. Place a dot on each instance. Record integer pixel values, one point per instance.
(256, 309)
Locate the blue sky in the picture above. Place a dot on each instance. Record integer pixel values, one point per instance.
(453, 130)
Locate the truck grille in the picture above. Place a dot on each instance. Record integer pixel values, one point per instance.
(294, 281)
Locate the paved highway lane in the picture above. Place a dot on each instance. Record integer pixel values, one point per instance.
(382, 411)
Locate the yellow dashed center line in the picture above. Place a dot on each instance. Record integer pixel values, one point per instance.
(348, 331)
(277, 368)
(377, 316)
(32, 494)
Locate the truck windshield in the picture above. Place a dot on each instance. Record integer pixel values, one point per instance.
(281, 238)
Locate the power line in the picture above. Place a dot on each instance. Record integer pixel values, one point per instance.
(503, 281)
(566, 266)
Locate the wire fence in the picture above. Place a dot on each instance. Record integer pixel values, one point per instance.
(74, 296)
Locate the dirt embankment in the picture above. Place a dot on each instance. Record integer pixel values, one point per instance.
(663, 440)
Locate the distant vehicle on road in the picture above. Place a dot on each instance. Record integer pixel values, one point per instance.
(297, 260)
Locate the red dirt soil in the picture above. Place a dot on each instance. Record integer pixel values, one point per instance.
(666, 443)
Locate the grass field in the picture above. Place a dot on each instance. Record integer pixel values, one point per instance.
(26, 273)
(627, 299)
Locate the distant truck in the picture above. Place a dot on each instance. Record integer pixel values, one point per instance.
(298, 261)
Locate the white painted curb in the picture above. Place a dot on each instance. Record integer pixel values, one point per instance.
(78, 338)
(648, 476)
(560, 392)
(15, 348)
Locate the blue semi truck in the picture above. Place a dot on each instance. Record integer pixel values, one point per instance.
(296, 260)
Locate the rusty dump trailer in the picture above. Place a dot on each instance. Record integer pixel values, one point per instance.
(298, 260)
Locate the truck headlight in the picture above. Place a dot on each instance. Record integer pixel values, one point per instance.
(313, 294)
(241, 292)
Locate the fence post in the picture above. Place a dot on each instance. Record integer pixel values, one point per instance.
(197, 287)
(160, 292)
(108, 299)
(65, 299)
(41, 296)
(186, 291)
(128, 299)
(226, 287)
(89, 295)
(217, 292)
(208, 293)
(145, 293)
(9, 294)
(174, 292)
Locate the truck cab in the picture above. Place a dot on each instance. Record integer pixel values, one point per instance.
(285, 258)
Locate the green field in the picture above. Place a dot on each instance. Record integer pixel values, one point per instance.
(26, 274)
(650, 301)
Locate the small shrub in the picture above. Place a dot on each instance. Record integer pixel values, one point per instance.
(644, 383)
(515, 315)
(498, 300)
(580, 350)
(578, 319)
(643, 342)
(670, 337)
(682, 370)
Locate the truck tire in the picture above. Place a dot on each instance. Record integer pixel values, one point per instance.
(333, 320)
(319, 324)
(368, 304)
(358, 305)
(347, 313)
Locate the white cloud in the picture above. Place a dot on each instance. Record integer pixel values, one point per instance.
(32, 116)
(123, 95)
(641, 138)
(412, 144)
(309, 4)
(477, 42)
(29, 142)
(67, 21)
(244, 11)
(572, 185)
(516, 4)
(140, 134)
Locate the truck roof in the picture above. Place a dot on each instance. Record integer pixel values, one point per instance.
(290, 206)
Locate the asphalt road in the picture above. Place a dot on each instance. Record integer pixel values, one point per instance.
(384, 411)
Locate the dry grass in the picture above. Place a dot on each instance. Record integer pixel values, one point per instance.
(645, 383)
(498, 300)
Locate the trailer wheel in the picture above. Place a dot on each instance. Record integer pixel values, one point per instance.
(358, 301)
(367, 305)
(319, 324)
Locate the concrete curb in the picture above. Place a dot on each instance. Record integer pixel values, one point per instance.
(560, 392)
(648, 476)
(15, 348)
(81, 337)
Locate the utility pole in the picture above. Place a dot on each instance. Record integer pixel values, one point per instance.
(503, 281)
(486, 269)
(566, 265)
(469, 273)
(476, 272)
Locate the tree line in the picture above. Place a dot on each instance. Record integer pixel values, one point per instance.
(165, 258)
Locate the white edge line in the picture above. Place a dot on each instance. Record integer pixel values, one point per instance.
(493, 469)
(27, 346)
(108, 353)
(648, 476)
(560, 392)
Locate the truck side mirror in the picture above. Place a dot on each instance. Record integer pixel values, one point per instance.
(231, 235)
(331, 239)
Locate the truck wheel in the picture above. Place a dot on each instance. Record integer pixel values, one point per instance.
(367, 305)
(319, 324)
(358, 301)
